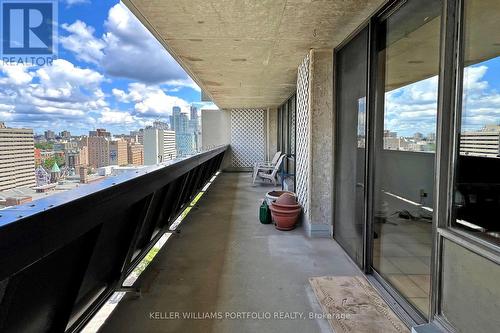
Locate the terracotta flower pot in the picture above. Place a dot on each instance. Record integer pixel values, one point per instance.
(285, 207)
(285, 219)
(272, 196)
(287, 199)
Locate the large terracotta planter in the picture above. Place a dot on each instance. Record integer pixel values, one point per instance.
(285, 211)
(285, 219)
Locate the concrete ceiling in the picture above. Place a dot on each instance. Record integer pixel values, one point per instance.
(414, 55)
(245, 53)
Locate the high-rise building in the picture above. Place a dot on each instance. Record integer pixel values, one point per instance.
(159, 146)
(135, 153)
(484, 142)
(17, 160)
(161, 125)
(176, 111)
(65, 135)
(185, 139)
(194, 113)
(49, 135)
(118, 152)
(98, 151)
(195, 127)
(100, 132)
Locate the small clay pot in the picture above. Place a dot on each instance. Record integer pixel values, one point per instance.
(272, 196)
(287, 199)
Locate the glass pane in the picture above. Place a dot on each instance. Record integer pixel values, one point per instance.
(351, 114)
(405, 125)
(477, 194)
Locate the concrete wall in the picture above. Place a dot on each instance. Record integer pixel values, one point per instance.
(470, 295)
(216, 131)
(215, 128)
(406, 173)
(321, 144)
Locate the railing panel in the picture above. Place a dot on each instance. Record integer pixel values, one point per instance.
(62, 256)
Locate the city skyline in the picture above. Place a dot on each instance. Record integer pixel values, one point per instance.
(94, 83)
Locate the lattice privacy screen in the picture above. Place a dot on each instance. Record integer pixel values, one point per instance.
(248, 137)
(302, 158)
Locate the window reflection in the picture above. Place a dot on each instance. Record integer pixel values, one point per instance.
(405, 123)
(477, 184)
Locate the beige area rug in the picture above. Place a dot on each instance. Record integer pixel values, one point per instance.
(352, 305)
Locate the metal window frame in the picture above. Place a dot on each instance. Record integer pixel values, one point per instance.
(284, 131)
(449, 112)
(448, 136)
(446, 82)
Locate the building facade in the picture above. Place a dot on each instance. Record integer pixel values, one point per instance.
(17, 160)
(159, 146)
(98, 151)
(118, 152)
(135, 153)
(483, 142)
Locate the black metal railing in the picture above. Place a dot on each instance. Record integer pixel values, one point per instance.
(61, 257)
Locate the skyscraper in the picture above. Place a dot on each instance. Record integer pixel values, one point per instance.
(49, 135)
(195, 127)
(185, 140)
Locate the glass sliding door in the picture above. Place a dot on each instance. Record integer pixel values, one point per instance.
(404, 137)
(351, 80)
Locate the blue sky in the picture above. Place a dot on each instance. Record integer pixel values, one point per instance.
(113, 73)
(110, 72)
(413, 108)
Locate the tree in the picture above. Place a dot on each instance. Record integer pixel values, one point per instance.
(49, 163)
(44, 145)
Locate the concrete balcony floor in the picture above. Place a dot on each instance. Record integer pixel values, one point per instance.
(224, 260)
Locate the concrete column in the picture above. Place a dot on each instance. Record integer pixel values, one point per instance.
(319, 222)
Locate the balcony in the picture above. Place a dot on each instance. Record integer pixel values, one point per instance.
(223, 260)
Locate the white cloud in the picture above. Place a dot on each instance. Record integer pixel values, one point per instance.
(413, 108)
(82, 42)
(177, 84)
(50, 94)
(75, 2)
(116, 117)
(150, 100)
(15, 74)
(126, 50)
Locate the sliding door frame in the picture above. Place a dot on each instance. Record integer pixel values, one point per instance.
(443, 157)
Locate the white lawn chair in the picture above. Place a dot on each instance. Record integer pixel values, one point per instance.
(273, 175)
(265, 166)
